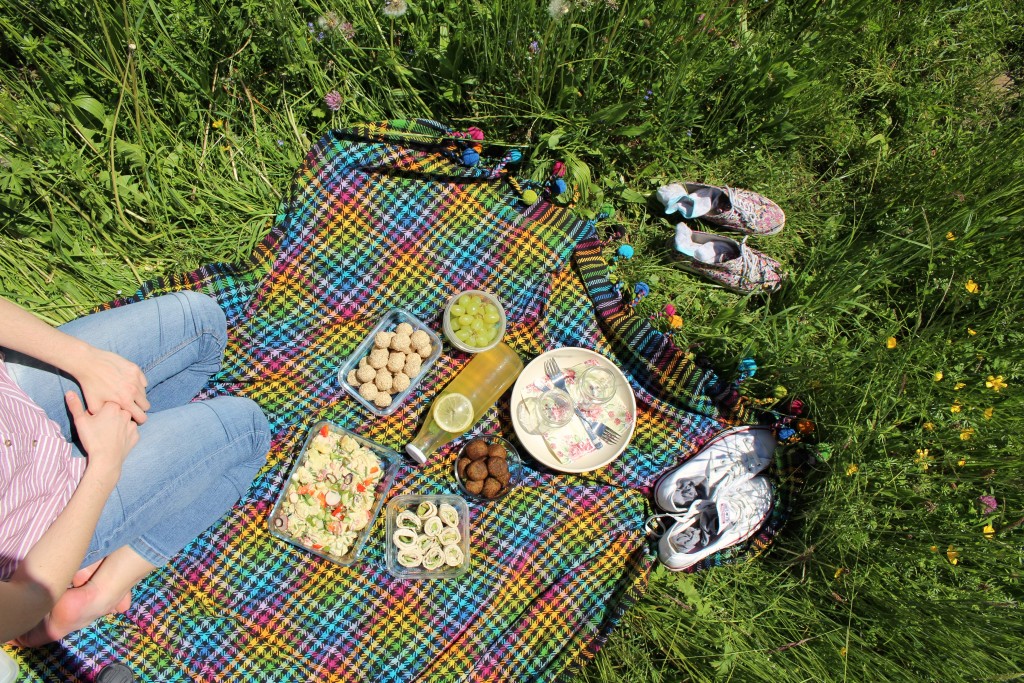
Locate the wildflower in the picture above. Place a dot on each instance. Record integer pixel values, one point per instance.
(972, 286)
(347, 30)
(225, 148)
(840, 572)
(937, 376)
(961, 462)
(934, 548)
(989, 531)
(534, 47)
(558, 8)
(953, 555)
(923, 458)
(958, 386)
(928, 426)
(670, 310)
(996, 384)
(852, 469)
(955, 408)
(890, 343)
(971, 332)
(218, 123)
(966, 434)
(675, 322)
(989, 504)
(989, 412)
(950, 236)
(647, 95)
(329, 21)
(395, 8)
(842, 652)
(333, 100)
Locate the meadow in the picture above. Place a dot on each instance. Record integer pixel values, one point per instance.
(139, 138)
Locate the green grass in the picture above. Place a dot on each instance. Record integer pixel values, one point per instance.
(890, 133)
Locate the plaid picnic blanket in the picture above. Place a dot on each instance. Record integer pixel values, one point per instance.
(381, 216)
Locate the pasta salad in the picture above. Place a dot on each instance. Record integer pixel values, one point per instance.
(331, 495)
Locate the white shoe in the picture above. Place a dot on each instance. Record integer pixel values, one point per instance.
(709, 526)
(735, 454)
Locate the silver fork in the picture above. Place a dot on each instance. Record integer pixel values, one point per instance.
(595, 430)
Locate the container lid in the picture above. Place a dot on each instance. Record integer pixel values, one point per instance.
(8, 668)
(416, 453)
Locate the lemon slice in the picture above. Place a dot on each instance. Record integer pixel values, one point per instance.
(453, 413)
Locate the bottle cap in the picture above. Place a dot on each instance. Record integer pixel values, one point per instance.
(416, 454)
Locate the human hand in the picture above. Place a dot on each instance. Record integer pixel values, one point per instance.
(106, 435)
(108, 378)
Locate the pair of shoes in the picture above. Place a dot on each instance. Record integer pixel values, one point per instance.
(716, 499)
(731, 264)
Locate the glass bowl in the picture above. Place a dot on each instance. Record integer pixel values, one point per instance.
(515, 467)
(446, 322)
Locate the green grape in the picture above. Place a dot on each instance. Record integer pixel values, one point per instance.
(474, 340)
(457, 310)
(491, 317)
(455, 325)
(464, 335)
(466, 320)
(464, 300)
(477, 326)
(490, 308)
(489, 335)
(473, 306)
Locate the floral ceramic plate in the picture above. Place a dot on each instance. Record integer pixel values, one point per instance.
(576, 453)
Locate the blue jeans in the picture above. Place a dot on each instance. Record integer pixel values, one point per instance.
(193, 459)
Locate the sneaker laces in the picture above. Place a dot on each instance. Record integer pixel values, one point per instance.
(750, 264)
(654, 522)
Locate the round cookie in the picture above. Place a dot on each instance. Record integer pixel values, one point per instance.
(382, 340)
(365, 374)
(368, 390)
(404, 328)
(401, 342)
(396, 361)
(384, 380)
(400, 381)
(419, 338)
(382, 400)
(378, 358)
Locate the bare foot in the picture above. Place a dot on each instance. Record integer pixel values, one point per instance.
(76, 609)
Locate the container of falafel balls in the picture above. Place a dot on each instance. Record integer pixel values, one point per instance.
(487, 468)
(390, 362)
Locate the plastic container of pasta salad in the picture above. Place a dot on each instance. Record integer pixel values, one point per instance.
(334, 493)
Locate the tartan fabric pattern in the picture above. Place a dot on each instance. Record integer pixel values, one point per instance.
(380, 216)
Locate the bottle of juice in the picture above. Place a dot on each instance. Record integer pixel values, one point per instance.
(466, 398)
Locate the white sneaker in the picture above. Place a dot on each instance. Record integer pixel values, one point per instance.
(735, 454)
(712, 525)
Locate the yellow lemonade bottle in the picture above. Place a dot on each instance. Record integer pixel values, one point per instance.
(466, 398)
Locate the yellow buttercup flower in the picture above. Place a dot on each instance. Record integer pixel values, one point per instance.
(955, 408)
(995, 383)
(937, 376)
(953, 555)
(950, 236)
(966, 434)
(971, 332)
(852, 469)
(839, 572)
(961, 462)
(989, 531)
(972, 287)
(988, 413)
(842, 652)
(890, 343)
(928, 426)
(958, 386)
(218, 123)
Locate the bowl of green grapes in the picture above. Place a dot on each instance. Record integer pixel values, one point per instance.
(474, 321)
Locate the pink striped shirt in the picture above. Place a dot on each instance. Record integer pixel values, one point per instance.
(38, 474)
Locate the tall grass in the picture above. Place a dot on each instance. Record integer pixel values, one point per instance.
(890, 133)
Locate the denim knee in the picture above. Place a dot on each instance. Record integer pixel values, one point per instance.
(245, 423)
(208, 319)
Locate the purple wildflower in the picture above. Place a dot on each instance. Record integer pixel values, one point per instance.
(347, 30)
(333, 100)
(534, 47)
(989, 503)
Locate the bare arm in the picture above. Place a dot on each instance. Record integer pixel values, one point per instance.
(103, 376)
(45, 573)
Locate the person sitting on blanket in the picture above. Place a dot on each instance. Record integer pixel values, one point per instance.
(107, 466)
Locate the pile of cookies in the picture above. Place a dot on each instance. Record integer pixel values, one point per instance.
(392, 365)
(483, 468)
